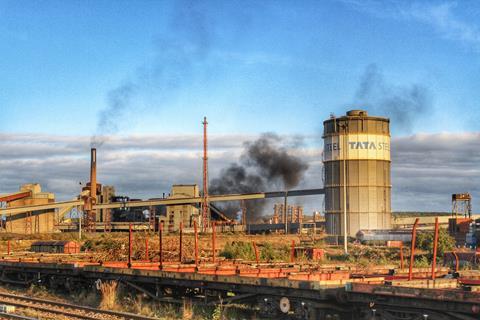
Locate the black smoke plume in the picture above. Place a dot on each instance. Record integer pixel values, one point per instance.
(264, 164)
(403, 104)
(184, 45)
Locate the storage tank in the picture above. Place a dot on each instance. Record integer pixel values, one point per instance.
(359, 145)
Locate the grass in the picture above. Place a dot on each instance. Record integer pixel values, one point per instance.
(109, 295)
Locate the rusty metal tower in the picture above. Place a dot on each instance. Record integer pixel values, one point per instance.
(462, 205)
(205, 205)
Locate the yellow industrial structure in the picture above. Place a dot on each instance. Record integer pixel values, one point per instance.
(29, 222)
(184, 213)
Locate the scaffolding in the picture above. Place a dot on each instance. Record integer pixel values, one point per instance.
(462, 205)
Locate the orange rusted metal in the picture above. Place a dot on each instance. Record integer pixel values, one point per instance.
(401, 256)
(394, 243)
(457, 261)
(160, 245)
(205, 203)
(255, 249)
(195, 228)
(292, 252)
(180, 244)
(213, 241)
(130, 246)
(435, 247)
(15, 196)
(412, 252)
(147, 255)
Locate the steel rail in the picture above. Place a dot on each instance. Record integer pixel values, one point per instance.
(4, 315)
(124, 315)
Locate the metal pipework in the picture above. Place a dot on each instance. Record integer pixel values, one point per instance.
(130, 245)
(412, 251)
(146, 203)
(160, 245)
(435, 247)
(255, 248)
(195, 228)
(401, 256)
(292, 252)
(457, 261)
(180, 244)
(213, 240)
(285, 212)
(147, 255)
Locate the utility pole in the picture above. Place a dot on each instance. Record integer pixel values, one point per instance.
(205, 206)
(285, 212)
(79, 223)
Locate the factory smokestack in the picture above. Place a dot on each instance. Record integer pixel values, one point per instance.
(93, 175)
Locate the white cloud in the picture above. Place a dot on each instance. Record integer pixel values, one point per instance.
(442, 17)
(426, 168)
(445, 21)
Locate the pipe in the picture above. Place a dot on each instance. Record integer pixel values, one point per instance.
(147, 255)
(159, 202)
(285, 212)
(130, 244)
(180, 244)
(195, 228)
(292, 252)
(435, 247)
(160, 245)
(412, 251)
(257, 257)
(401, 256)
(213, 241)
(457, 261)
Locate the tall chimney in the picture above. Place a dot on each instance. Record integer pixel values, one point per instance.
(93, 175)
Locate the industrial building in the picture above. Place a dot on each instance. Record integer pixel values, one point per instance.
(184, 213)
(357, 183)
(294, 213)
(28, 222)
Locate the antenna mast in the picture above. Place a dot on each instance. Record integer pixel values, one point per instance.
(205, 205)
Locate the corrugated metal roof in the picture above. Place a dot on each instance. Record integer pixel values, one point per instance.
(52, 243)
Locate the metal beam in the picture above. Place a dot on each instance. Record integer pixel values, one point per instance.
(159, 202)
(40, 207)
(15, 196)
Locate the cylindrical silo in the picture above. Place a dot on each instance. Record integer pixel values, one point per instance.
(360, 144)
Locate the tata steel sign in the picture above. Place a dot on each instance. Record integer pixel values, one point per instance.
(357, 146)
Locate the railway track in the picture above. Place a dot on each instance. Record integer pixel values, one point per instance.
(71, 311)
(4, 315)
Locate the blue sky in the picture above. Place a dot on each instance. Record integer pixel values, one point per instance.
(146, 72)
(250, 67)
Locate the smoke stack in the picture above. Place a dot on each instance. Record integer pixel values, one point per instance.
(93, 175)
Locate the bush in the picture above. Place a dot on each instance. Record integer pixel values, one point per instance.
(445, 242)
(270, 253)
(238, 250)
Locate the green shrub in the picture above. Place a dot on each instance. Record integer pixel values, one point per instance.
(445, 242)
(270, 253)
(238, 250)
